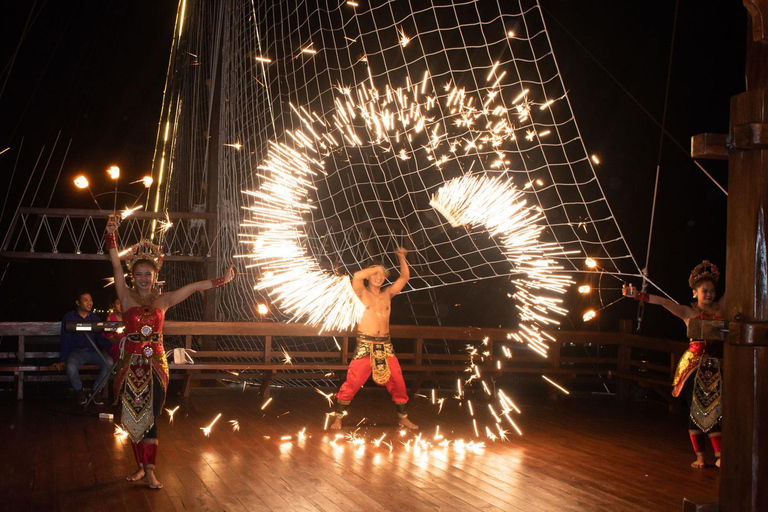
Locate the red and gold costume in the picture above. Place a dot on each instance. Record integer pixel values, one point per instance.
(142, 373)
(375, 356)
(702, 362)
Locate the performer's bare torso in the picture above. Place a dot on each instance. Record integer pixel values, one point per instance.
(375, 321)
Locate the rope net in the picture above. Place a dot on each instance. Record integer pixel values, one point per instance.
(471, 88)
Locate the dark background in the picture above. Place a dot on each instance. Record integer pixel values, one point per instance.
(95, 71)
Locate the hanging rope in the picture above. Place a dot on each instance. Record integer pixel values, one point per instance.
(640, 307)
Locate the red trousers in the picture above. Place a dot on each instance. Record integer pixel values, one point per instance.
(358, 372)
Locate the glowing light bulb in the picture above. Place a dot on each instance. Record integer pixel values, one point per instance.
(81, 182)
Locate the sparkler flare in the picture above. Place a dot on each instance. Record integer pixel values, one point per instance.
(558, 386)
(81, 182)
(262, 309)
(585, 289)
(120, 431)
(589, 315)
(235, 425)
(114, 172)
(589, 262)
(327, 396)
(171, 412)
(207, 430)
(129, 211)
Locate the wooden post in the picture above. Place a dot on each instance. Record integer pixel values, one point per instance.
(744, 472)
(19, 376)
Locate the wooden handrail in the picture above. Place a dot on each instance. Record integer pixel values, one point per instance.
(417, 358)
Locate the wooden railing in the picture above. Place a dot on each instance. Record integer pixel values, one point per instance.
(426, 353)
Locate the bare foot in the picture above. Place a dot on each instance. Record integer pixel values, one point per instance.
(699, 462)
(717, 463)
(152, 480)
(405, 422)
(138, 475)
(336, 425)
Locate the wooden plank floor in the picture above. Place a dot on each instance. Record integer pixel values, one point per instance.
(590, 454)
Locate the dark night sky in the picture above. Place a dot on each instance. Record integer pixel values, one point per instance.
(95, 71)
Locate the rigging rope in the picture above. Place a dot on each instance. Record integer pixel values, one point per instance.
(641, 305)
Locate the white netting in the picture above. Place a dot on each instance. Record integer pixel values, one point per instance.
(374, 193)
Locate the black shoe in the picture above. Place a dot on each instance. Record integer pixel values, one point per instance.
(81, 397)
(98, 400)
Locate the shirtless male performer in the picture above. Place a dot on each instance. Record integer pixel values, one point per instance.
(374, 353)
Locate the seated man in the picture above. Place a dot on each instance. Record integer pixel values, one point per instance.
(76, 350)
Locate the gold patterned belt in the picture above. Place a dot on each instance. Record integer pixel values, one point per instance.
(154, 337)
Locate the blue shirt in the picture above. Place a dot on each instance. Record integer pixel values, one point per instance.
(76, 340)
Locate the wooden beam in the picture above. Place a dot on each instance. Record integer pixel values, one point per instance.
(711, 146)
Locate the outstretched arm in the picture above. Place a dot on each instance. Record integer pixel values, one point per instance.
(405, 273)
(117, 267)
(169, 299)
(684, 313)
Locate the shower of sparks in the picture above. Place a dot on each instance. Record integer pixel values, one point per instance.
(404, 39)
(498, 206)
(146, 181)
(171, 412)
(327, 396)
(235, 425)
(287, 357)
(558, 386)
(207, 430)
(447, 124)
(264, 406)
(129, 211)
(120, 431)
(165, 225)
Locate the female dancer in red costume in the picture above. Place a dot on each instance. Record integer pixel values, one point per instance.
(141, 377)
(698, 376)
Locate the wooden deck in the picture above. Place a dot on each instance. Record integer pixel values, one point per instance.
(590, 453)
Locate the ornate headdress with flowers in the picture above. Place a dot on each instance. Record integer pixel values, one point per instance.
(144, 250)
(704, 270)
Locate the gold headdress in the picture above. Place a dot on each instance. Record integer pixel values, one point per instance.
(704, 270)
(144, 250)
